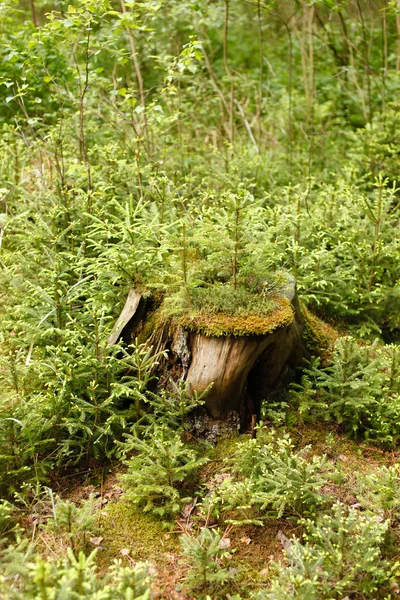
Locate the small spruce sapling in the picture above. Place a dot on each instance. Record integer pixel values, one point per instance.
(73, 523)
(158, 472)
(341, 556)
(205, 554)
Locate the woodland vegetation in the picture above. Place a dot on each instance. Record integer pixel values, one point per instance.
(198, 151)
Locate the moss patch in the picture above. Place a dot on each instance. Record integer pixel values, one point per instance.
(319, 337)
(220, 324)
(124, 526)
(256, 547)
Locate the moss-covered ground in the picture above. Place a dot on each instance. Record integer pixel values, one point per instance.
(130, 535)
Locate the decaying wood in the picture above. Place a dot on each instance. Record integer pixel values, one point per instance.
(234, 365)
(235, 373)
(228, 362)
(128, 312)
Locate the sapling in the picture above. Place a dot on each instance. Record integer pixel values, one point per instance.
(205, 554)
(72, 522)
(358, 389)
(157, 473)
(341, 555)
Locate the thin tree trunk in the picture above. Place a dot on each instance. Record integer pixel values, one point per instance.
(398, 35)
(311, 84)
(34, 15)
(384, 57)
(227, 69)
(366, 59)
(136, 66)
(261, 73)
(353, 73)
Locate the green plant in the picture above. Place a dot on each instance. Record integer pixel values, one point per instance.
(358, 389)
(379, 491)
(142, 145)
(268, 480)
(341, 555)
(171, 407)
(76, 577)
(226, 299)
(73, 523)
(160, 472)
(205, 554)
(7, 510)
(283, 481)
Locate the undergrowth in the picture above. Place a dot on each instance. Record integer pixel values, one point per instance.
(199, 152)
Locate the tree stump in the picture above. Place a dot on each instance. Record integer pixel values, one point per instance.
(228, 366)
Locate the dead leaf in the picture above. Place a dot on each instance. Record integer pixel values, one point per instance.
(188, 509)
(284, 540)
(245, 540)
(224, 543)
(96, 541)
(394, 588)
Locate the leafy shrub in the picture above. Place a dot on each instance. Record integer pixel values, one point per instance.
(341, 555)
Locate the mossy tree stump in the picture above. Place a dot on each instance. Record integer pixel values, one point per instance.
(234, 364)
(231, 356)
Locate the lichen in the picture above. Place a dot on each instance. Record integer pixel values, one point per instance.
(220, 324)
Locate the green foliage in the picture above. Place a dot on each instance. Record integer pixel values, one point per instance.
(159, 473)
(141, 145)
(380, 492)
(284, 481)
(6, 517)
(77, 577)
(74, 523)
(71, 415)
(358, 389)
(171, 407)
(225, 299)
(205, 554)
(270, 480)
(375, 146)
(341, 555)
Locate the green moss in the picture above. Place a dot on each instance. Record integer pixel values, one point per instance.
(318, 336)
(148, 327)
(124, 526)
(224, 298)
(225, 446)
(220, 324)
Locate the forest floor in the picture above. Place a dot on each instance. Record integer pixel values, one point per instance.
(129, 534)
